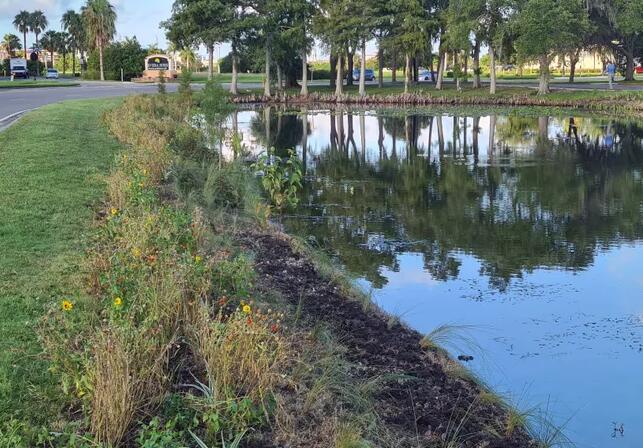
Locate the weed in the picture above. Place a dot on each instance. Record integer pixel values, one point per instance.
(281, 178)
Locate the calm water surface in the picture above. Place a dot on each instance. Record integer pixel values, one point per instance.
(527, 231)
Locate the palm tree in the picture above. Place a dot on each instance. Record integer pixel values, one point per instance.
(64, 40)
(11, 42)
(21, 22)
(187, 57)
(100, 23)
(50, 41)
(37, 23)
(72, 22)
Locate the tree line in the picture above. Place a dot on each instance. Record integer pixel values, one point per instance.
(92, 28)
(284, 31)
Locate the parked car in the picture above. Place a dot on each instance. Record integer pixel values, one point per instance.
(52, 73)
(424, 75)
(639, 70)
(369, 75)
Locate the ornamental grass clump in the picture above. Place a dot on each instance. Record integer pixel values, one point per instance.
(243, 353)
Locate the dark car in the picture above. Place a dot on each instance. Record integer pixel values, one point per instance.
(369, 75)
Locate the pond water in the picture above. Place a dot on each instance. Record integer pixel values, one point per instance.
(523, 232)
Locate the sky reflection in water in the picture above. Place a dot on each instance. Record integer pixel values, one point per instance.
(526, 228)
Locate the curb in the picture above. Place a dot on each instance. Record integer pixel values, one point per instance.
(7, 121)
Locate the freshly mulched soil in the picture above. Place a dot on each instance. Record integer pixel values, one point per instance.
(420, 412)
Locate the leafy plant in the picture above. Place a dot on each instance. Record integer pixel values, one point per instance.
(281, 178)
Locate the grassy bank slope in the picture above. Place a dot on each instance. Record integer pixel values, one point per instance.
(49, 177)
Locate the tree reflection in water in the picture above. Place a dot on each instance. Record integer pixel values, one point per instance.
(536, 192)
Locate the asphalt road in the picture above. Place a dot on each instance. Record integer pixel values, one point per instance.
(14, 102)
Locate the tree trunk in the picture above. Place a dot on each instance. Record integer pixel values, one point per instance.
(441, 64)
(210, 61)
(100, 57)
(339, 81)
(304, 74)
(629, 58)
(573, 60)
(51, 56)
(476, 65)
(543, 82)
(233, 82)
(73, 63)
(64, 63)
(362, 70)
(333, 69)
(266, 85)
(492, 70)
(407, 73)
(394, 67)
(351, 66)
(280, 80)
(457, 71)
(380, 66)
(24, 36)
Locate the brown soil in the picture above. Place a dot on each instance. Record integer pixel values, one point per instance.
(434, 405)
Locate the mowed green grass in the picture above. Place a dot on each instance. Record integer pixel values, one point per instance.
(30, 84)
(51, 167)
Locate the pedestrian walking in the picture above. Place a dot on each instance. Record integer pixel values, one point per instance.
(611, 73)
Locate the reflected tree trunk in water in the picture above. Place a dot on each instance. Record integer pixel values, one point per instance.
(456, 136)
(475, 134)
(464, 135)
(380, 138)
(415, 134)
(408, 138)
(266, 122)
(543, 126)
(492, 136)
(304, 140)
(235, 122)
(430, 143)
(440, 136)
(340, 127)
(333, 130)
(394, 143)
(362, 134)
(350, 137)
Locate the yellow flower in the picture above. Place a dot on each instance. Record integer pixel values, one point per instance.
(141, 184)
(144, 172)
(136, 252)
(118, 302)
(67, 305)
(114, 211)
(247, 309)
(198, 259)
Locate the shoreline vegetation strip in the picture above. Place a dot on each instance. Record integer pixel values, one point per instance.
(597, 101)
(171, 338)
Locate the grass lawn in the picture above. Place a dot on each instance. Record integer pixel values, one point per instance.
(52, 160)
(29, 83)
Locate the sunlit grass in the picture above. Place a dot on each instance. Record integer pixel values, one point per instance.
(49, 177)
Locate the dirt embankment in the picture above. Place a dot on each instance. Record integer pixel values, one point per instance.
(434, 408)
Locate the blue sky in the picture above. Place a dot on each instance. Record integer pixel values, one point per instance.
(138, 18)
